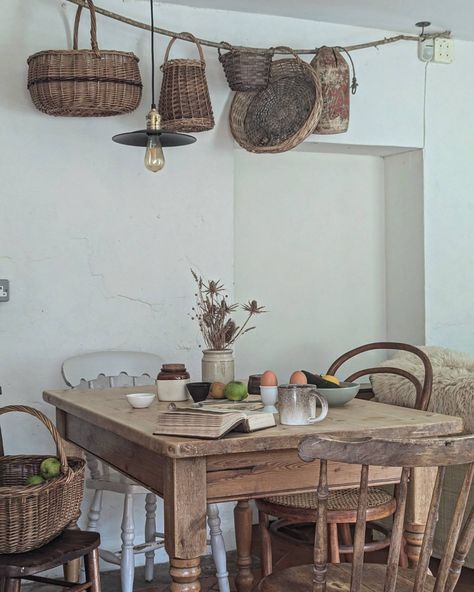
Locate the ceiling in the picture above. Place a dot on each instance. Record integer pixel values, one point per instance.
(391, 15)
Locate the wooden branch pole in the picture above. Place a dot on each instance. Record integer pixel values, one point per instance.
(208, 43)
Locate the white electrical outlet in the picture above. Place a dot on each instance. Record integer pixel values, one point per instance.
(426, 49)
(443, 50)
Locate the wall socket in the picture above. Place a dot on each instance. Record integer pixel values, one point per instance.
(443, 51)
(4, 290)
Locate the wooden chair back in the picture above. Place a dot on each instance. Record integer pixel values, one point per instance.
(441, 453)
(103, 369)
(423, 390)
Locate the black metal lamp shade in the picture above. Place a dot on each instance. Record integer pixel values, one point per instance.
(140, 138)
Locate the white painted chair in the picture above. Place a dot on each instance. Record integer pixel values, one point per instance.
(105, 369)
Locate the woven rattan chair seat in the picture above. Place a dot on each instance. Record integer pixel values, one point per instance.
(339, 500)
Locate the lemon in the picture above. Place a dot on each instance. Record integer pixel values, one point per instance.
(331, 378)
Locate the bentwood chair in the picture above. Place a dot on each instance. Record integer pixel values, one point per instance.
(357, 577)
(301, 508)
(107, 369)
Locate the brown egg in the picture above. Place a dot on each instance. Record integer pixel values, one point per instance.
(298, 378)
(269, 378)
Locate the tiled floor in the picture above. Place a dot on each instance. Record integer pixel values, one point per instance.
(284, 554)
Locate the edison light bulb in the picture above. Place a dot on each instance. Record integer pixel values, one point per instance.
(154, 157)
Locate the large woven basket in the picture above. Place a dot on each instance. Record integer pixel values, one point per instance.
(185, 104)
(280, 117)
(246, 70)
(84, 82)
(31, 516)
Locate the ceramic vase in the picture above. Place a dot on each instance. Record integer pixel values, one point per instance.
(217, 365)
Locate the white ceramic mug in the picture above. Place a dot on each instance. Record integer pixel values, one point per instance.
(297, 404)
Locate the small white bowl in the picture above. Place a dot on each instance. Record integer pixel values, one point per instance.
(141, 400)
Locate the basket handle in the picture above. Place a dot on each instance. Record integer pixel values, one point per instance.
(229, 47)
(50, 427)
(191, 38)
(226, 45)
(290, 50)
(94, 45)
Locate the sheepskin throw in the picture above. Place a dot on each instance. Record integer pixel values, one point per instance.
(453, 383)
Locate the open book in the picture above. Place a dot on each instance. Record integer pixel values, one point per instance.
(212, 421)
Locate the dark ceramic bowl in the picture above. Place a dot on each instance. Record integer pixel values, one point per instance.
(198, 390)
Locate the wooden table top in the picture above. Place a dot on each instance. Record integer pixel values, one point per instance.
(110, 410)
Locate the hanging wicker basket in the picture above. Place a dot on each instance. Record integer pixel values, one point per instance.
(31, 516)
(83, 82)
(280, 117)
(246, 70)
(185, 104)
(333, 71)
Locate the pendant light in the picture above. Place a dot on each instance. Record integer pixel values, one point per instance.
(154, 138)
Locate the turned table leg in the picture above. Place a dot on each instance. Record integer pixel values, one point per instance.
(243, 537)
(421, 488)
(185, 507)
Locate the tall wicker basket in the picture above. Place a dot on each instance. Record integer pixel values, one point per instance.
(84, 82)
(31, 516)
(185, 104)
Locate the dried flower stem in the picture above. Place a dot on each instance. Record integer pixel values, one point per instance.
(212, 313)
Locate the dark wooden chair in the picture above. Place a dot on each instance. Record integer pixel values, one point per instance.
(297, 509)
(69, 546)
(72, 544)
(360, 577)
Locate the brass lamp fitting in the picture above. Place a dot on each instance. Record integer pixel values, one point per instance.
(153, 120)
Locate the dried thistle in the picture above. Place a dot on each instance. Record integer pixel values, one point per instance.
(212, 312)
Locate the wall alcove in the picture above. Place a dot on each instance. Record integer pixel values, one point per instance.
(330, 238)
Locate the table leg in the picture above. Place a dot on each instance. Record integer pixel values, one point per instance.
(185, 520)
(243, 537)
(421, 488)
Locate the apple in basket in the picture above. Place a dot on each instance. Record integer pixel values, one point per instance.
(50, 468)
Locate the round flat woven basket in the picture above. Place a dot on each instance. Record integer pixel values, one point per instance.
(31, 516)
(281, 116)
(84, 82)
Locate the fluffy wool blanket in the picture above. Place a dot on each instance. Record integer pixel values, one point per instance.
(453, 383)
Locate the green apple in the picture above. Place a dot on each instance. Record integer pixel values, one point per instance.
(236, 391)
(50, 468)
(34, 480)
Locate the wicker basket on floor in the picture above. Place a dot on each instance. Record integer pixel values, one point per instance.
(84, 82)
(31, 516)
(246, 70)
(185, 104)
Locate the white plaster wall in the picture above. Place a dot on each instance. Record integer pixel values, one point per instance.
(310, 244)
(405, 247)
(98, 250)
(449, 202)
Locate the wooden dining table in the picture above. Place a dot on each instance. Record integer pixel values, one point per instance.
(189, 473)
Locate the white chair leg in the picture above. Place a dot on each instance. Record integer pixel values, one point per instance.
(218, 547)
(150, 534)
(127, 561)
(95, 509)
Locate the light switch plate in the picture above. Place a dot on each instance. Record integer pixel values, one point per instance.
(4, 290)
